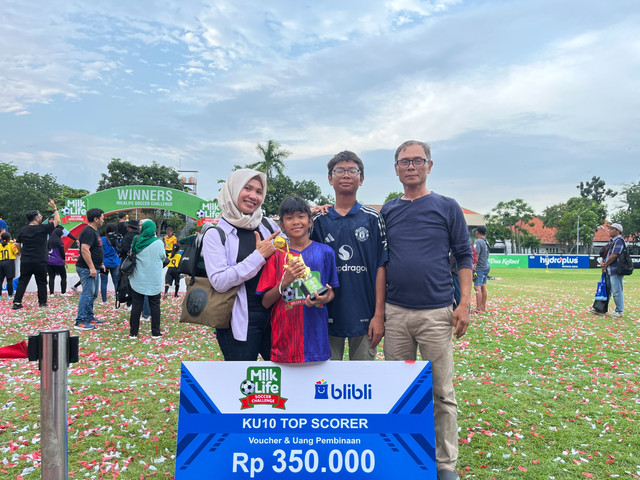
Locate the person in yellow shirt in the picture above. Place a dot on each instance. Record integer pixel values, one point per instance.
(8, 253)
(173, 275)
(169, 241)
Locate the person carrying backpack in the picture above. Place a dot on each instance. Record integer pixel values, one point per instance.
(111, 242)
(610, 266)
(237, 261)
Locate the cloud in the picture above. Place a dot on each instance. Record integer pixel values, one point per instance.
(489, 83)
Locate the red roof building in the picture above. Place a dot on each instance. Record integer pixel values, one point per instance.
(550, 244)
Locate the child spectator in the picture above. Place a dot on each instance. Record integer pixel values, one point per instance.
(8, 253)
(111, 243)
(169, 241)
(299, 325)
(173, 275)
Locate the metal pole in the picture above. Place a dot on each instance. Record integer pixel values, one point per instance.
(578, 236)
(53, 403)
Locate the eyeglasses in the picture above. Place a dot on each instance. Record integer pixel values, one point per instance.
(339, 172)
(416, 162)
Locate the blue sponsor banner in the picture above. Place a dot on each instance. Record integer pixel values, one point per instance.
(559, 261)
(370, 420)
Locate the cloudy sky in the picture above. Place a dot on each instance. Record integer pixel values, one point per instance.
(519, 99)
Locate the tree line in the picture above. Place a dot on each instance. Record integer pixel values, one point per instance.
(575, 220)
(20, 193)
(507, 221)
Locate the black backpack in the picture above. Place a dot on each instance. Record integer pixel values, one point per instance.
(624, 264)
(191, 262)
(123, 292)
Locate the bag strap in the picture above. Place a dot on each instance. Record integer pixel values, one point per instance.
(198, 252)
(223, 239)
(223, 236)
(267, 225)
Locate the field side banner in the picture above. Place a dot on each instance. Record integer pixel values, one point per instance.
(139, 196)
(509, 261)
(559, 261)
(264, 420)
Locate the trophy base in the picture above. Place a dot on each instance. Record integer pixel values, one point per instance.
(312, 288)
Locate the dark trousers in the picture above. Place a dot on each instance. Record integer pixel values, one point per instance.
(172, 275)
(136, 311)
(37, 269)
(8, 271)
(258, 340)
(54, 270)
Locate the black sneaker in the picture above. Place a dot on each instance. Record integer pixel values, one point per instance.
(447, 475)
(16, 306)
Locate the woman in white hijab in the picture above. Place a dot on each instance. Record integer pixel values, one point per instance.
(239, 261)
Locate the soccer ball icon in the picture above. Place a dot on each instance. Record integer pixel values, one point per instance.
(288, 295)
(247, 387)
(64, 211)
(201, 213)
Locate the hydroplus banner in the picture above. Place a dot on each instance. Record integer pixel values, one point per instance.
(559, 261)
(357, 420)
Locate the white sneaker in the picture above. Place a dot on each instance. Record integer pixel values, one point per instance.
(616, 314)
(65, 294)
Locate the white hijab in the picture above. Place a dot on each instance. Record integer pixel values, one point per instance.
(228, 199)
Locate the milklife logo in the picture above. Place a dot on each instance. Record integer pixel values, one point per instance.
(346, 391)
(262, 386)
(209, 210)
(74, 206)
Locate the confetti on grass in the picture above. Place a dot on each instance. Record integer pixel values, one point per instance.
(544, 389)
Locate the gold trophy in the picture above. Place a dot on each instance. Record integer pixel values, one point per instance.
(309, 284)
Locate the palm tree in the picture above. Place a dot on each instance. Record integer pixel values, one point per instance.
(273, 159)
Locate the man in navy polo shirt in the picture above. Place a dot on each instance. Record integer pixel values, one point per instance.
(357, 235)
(422, 228)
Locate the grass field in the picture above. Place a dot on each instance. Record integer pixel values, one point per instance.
(545, 390)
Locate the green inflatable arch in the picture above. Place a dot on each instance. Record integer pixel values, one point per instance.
(138, 196)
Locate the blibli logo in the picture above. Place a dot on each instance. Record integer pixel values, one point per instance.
(322, 389)
(346, 391)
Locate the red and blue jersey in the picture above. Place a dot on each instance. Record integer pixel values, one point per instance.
(299, 333)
